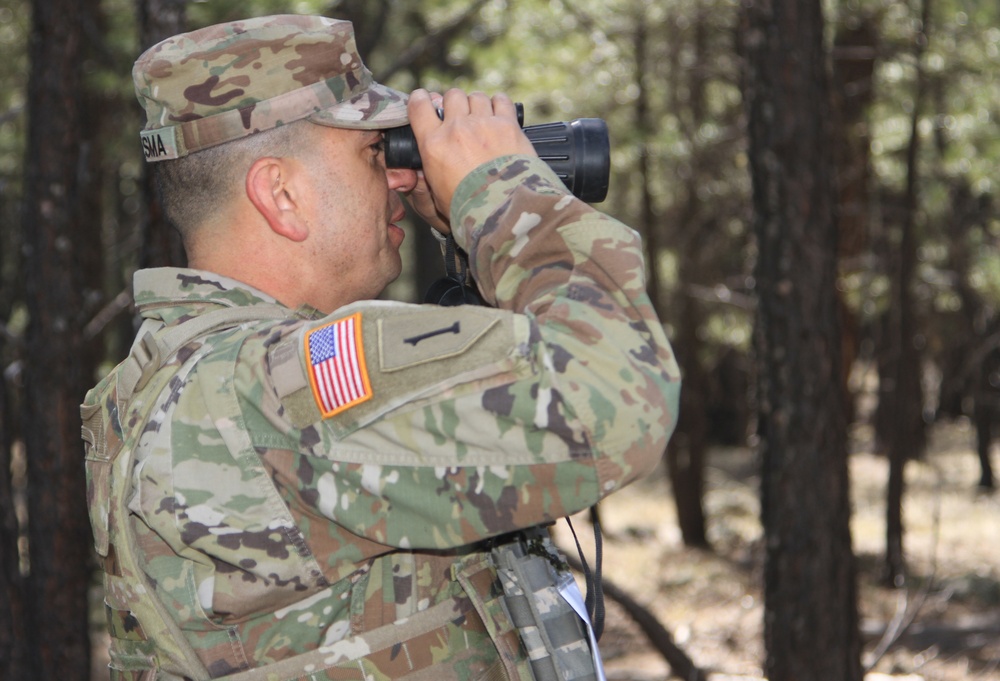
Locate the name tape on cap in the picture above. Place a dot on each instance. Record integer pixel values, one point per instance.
(159, 144)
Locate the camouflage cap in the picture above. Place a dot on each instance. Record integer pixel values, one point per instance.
(224, 82)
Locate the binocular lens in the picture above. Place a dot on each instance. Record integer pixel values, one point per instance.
(579, 152)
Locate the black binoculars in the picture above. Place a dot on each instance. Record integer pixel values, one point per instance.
(578, 151)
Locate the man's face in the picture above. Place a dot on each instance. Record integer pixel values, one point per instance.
(354, 213)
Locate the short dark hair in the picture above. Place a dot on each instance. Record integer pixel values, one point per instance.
(193, 188)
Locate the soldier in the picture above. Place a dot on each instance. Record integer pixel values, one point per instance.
(288, 479)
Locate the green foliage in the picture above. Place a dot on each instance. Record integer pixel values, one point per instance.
(207, 12)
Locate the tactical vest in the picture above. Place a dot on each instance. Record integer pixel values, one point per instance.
(511, 591)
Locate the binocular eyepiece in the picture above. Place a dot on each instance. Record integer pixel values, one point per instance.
(579, 152)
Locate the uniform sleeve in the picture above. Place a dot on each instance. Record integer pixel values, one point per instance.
(563, 392)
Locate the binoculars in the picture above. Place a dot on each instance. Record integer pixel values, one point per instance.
(578, 151)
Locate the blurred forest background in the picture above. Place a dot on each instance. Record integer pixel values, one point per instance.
(804, 250)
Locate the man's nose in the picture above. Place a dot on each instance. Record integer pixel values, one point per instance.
(401, 179)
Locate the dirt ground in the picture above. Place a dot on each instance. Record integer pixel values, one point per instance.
(711, 601)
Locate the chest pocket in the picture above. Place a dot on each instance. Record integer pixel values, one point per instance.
(408, 355)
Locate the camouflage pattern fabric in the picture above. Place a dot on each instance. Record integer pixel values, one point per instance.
(224, 82)
(274, 519)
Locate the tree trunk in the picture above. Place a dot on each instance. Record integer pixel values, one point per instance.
(647, 218)
(904, 394)
(57, 236)
(810, 614)
(159, 243)
(854, 53)
(686, 451)
(984, 414)
(13, 659)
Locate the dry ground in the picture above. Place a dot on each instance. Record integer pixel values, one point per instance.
(711, 601)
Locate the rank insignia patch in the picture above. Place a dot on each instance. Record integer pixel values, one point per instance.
(337, 369)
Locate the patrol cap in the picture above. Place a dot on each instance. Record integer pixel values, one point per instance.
(227, 81)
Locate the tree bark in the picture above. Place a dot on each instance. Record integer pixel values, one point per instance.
(57, 235)
(810, 613)
(984, 416)
(159, 243)
(687, 449)
(647, 218)
(686, 452)
(903, 416)
(13, 659)
(852, 90)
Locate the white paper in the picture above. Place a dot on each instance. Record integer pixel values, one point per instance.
(571, 593)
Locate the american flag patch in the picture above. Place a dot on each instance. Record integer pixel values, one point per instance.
(337, 365)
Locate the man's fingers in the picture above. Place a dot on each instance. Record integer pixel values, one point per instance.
(456, 103)
(480, 104)
(504, 106)
(422, 111)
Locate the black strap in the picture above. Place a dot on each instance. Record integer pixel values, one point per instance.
(595, 583)
(453, 289)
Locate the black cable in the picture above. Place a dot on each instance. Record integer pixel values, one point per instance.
(594, 599)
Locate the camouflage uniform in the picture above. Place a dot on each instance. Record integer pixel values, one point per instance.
(289, 482)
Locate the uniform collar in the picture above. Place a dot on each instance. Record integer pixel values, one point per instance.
(169, 293)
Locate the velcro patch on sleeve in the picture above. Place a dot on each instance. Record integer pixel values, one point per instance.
(336, 365)
(427, 336)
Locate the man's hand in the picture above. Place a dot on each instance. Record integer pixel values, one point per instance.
(476, 129)
(422, 201)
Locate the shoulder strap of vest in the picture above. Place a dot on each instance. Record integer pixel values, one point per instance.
(151, 350)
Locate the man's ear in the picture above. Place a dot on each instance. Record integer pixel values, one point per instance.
(270, 188)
